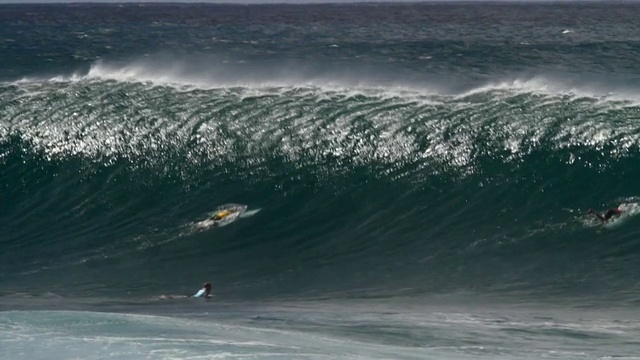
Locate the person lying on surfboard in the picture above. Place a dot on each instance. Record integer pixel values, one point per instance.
(606, 215)
(220, 215)
(205, 292)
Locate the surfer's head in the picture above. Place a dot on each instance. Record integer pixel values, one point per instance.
(207, 286)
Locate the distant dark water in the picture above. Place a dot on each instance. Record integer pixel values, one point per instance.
(392, 149)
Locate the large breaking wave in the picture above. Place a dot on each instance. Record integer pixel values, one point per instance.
(365, 188)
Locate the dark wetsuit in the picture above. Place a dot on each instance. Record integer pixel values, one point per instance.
(610, 213)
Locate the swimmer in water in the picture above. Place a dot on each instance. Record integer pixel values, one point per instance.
(204, 292)
(220, 215)
(606, 215)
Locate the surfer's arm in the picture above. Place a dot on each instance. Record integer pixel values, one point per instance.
(598, 215)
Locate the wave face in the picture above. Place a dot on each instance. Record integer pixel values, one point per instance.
(386, 157)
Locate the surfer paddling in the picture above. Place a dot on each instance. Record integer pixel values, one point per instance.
(606, 215)
(205, 292)
(221, 215)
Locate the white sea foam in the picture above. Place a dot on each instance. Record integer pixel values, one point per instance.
(121, 111)
(367, 330)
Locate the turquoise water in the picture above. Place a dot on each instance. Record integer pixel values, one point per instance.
(391, 156)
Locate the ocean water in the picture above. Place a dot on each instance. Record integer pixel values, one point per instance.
(416, 179)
